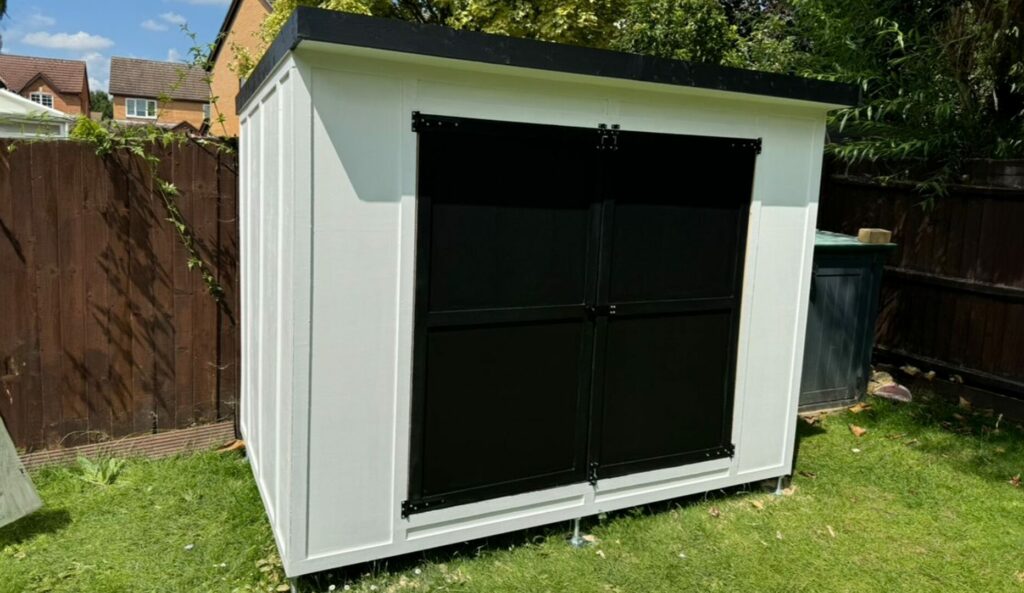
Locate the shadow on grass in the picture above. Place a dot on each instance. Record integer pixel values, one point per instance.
(38, 523)
(974, 442)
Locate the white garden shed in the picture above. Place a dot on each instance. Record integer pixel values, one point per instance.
(492, 283)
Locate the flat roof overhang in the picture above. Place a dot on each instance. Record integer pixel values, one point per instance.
(374, 35)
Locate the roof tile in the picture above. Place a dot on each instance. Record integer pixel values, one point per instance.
(147, 78)
(69, 76)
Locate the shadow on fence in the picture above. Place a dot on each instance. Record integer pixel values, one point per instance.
(104, 331)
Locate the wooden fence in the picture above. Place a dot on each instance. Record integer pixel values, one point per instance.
(953, 293)
(104, 331)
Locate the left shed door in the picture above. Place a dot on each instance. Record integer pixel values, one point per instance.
(507, 242)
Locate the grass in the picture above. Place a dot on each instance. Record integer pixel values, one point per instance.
(925, 503)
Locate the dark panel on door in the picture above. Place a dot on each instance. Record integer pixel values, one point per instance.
(503, 345)
(673, 234)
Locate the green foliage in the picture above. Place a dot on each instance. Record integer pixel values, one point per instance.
(102, 471)
(941, 81)
(694, 30)
(100, 101)
(578, 22)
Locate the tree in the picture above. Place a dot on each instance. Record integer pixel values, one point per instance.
(942, 80)
(100, 101)
(695, 30)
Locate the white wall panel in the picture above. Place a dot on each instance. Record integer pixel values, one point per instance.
(357, 135)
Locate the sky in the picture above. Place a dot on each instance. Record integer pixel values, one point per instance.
(95, 30)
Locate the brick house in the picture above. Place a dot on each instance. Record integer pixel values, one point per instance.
(165, 93)
(58, 84)
(240, 28)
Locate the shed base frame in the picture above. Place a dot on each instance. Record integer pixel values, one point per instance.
(508, 514)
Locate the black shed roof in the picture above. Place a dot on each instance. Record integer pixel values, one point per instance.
(312, 24)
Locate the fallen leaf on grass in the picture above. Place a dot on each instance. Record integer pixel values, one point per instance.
(284, 587)
(235, 445)
(860, 407)
(1020, 576)
(959, 417)
(1015, 481)
(808, 475)
(965, 404)
(831, 532)
(778, 535)
(682, 554)
(714, 512)
(591, 538)
(757, 504)
(810, 420)
(600, 553)
(857, 430)
(910, 370)
(789, 491)
(1000, 450)
(929, 375)
(855, 450)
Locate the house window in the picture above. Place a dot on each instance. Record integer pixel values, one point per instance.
(140, 108)
(44, 99)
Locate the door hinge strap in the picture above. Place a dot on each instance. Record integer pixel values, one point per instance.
(592, 473)
(409, 507)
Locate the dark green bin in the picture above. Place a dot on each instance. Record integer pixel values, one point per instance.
(841, 320)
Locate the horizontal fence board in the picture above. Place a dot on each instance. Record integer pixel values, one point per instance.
(105, 332)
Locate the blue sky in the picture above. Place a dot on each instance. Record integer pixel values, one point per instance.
(95, 31)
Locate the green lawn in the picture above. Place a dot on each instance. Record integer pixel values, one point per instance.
(925, 503)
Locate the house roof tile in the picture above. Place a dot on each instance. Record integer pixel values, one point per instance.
(68, 76)
(147, 78)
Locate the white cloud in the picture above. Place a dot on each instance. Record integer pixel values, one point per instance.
(80, 41)
(151, 25)
(173, 18)
(40, 21)
(173, 55)
(96, 84)
(98, 66)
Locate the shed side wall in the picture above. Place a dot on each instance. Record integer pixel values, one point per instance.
(268, 337)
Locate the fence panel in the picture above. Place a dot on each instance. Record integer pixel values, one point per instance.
(953, 293)
(104, 331)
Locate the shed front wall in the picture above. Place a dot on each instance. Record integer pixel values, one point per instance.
(335, 226)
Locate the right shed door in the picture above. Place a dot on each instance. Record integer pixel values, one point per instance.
(674, 227)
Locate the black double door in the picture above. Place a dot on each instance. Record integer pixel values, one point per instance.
(577, 304)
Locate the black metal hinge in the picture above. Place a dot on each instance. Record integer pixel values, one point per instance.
(592, 473)
(422, 122)
(608, 137)
(754, 145)
(409, 507)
